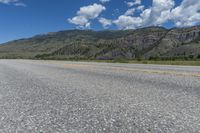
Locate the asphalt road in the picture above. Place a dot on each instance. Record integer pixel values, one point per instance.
(60, 96)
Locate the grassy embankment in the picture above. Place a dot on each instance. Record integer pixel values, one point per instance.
(186, 61)
(177, 62)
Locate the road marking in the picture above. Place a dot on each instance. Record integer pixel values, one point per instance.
(127, 69)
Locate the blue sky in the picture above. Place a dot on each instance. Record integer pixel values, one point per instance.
(25, 18)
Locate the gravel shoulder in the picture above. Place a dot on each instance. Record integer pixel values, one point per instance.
(59, 96)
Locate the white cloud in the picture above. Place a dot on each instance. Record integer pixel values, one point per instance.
(133, 3)
(85, 14)
(129, 4)
(161, 12)
(187, 14)
(81, 21)
(105, 22)
(104, 1)
(130, 12)
(128, 22)
(13, 2)
(91, 11)
(138, 2)
(140, 8)
(156, 15)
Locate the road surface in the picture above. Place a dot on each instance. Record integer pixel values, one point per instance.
(80, 97)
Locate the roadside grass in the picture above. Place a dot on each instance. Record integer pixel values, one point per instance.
(186, 61)
(176, 62)
(192, 62)
(183, 62)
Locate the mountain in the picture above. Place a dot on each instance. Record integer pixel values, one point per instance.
(151, 42)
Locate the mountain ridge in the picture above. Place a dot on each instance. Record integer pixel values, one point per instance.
(149, 42)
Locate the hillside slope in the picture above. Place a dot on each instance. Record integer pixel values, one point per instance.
(87, 44)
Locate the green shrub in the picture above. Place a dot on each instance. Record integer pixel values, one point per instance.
(42, 56)
(120, 60)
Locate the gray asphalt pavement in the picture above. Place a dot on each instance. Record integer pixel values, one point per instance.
(81, 97)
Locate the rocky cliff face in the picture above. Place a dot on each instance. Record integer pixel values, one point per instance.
(185, 35)
(174, 42)
(130, 44)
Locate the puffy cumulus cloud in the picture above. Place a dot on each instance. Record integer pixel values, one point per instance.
(145, 15)
(128, 22)
(85, 14)
(91, 11)
(158, 14)
(133, 3)
(105, 22)
(81, 21)
(161, 12)
(129, 4)
(187, 14)
(13, 2)
(140, 8)
(130, 12)
(104, 1)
